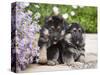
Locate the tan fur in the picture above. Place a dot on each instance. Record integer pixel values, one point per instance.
(67, 38)
(46, 32)
(50, 18)
(43, 55)
(62, 32)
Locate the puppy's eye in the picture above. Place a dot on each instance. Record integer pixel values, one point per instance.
(79, 29)
(74, 29)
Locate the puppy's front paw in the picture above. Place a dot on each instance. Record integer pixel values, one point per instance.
(42, 59)
(43, 56)
(52, 63)
(81, 59)
(69, 64)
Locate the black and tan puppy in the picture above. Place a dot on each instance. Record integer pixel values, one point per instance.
(73, 45)
(51, 33)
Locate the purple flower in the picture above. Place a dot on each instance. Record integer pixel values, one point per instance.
(26, 43)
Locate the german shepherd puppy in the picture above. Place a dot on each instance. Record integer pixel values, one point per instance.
(51, 33)
(73, 44)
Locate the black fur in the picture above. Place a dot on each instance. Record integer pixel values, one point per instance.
(53, 54)
(73, 45)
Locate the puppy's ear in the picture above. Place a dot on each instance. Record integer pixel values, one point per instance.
(61, 19)
(48, 19)
(83, 30)
(68, 28)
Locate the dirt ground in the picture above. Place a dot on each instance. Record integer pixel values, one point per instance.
(91, 59)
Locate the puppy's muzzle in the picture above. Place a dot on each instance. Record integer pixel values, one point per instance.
(55, 41)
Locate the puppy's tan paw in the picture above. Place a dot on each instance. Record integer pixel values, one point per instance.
(43, 56)
(42, 59)
(81, 59)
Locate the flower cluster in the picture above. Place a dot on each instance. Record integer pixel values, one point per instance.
(24, 41)
(55, 10)
(66, 15)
